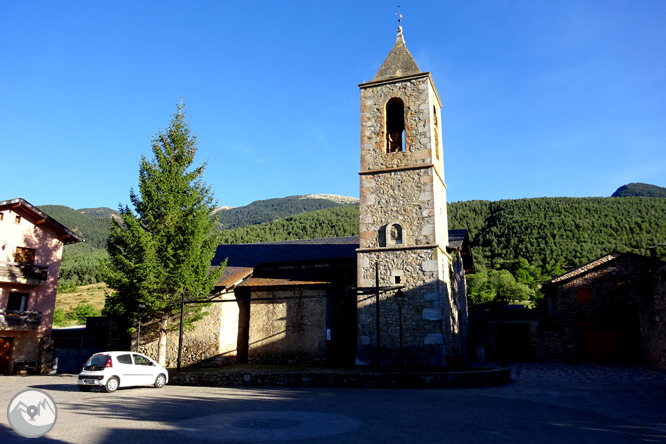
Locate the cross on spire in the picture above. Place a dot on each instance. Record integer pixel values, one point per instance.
(399, 15)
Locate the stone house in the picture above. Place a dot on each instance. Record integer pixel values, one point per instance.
(653, 324)
(396, 292)
(606, 310)
(31, 246)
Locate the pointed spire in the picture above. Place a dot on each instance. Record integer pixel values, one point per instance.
(398, 63)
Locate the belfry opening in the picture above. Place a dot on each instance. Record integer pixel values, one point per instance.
(395, 125)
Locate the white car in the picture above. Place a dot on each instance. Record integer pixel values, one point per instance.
(121, 369)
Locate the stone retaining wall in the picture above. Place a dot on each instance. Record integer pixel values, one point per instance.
(472, 378)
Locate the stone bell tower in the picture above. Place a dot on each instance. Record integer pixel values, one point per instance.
(403, 222)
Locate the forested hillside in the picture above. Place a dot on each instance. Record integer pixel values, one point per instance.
(269, 210)
(80, 262)
(639, 189)
(518, 244)
(92, 223)
(549, 233)
(564, 232)
(331, 222)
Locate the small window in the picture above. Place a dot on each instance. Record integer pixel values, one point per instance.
(585, 296)
(17, 219)
(2, 216)
(142, 360)
(398, 277)
(395, 126)
(24, 255)
(17, 302)
(124, 359)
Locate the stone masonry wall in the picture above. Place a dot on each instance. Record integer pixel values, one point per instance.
(288, 331)
(653, 324)
(416, 97)
(405, 196)
(426, 312)
(213, 340)
(618, 287)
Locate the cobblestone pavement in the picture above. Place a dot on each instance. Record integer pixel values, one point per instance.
(545, 403)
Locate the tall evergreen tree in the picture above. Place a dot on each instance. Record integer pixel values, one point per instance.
(164, 245)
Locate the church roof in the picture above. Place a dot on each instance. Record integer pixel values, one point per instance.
(242, 259)
(399, 62)
(457, 238)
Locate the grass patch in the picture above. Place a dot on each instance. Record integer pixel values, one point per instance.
(73, 304)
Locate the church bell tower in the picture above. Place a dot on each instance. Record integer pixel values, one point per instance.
(403, 220)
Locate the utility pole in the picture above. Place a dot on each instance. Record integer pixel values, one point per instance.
(379, 342)
(180, 336)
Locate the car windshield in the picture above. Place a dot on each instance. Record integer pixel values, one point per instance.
(96, 362)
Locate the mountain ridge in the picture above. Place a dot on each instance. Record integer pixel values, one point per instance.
(638, 189)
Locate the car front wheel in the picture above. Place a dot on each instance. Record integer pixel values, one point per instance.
(111, 385)
(160, 381)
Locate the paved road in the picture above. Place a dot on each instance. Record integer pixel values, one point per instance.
(546, 403)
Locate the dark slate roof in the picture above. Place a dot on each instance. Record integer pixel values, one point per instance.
(456, 239)
(399, 62)
(251, 255)
(243, 258)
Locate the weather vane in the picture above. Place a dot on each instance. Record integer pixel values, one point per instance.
(399, 15)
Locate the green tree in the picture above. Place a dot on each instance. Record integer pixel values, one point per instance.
(163, 247)
(59, 318)
(496, 285)
(81, 312)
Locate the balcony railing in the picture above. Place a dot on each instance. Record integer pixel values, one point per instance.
(23, 273)
(20, 320)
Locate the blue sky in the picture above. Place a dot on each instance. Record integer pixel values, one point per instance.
(541, 98)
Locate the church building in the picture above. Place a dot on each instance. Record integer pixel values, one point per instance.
(393, 295)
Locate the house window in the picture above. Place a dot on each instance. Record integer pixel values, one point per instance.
(585, 296)
(17, 302)
(17, 219)
(395, 125)
(24, 255)
(2, 216)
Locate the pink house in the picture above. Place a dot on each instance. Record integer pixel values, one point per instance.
(30, 251)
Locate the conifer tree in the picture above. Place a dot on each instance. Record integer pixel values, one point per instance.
(164, 245)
